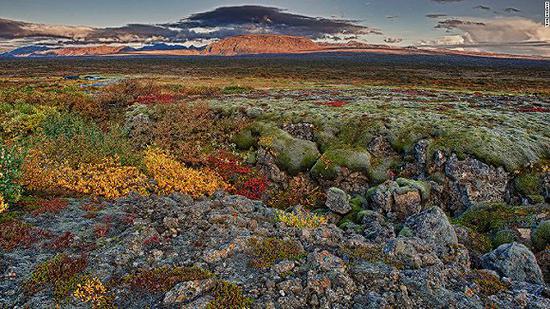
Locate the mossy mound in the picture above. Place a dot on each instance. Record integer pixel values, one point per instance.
(541, 236)
(355, 159)
(422, 186)
(528, 184)
(291, 154)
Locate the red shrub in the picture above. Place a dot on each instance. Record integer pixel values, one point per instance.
(101, 230)
(155, 239)
(253, 188)
(337, 103)
(165, 98)
(61, 242)
(227, 165)
(14, 233)
(50, 206)
(533, 110)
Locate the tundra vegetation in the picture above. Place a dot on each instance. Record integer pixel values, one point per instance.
(280, 169)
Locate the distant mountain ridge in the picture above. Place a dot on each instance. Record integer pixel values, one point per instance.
(248, 44)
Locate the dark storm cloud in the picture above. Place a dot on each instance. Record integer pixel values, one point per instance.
(482, 7)
(512, 10)
(450, 24)
(216, 24)
(445, 1)
(254, 19)
(436, 15)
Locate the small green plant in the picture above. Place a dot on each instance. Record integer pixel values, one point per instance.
(503, 237)
(164, 278)
(488, 283)
(541, 236)
(10, 170)
(300, 219)
(228, 295)
(62, 273)
(267, 251)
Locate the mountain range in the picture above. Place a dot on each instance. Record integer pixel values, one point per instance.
(248, 44)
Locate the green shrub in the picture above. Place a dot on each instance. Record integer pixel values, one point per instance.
(10, 170)
(503, 237)
(541, 236)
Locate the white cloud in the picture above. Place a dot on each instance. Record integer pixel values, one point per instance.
(507, 35)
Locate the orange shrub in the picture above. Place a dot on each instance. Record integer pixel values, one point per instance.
(107, 178)
(173, 176)
(191, 131)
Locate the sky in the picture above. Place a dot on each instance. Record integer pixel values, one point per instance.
(505, 26)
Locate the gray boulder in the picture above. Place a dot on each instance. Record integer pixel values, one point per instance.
(515, 261)
(338, 201)
(433, 226)
(473, 182)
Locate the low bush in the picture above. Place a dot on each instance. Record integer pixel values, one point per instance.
(300, 219)
(191, 132)
(541, 236)
(267, 251)
(172, 176)
(164, 278)
(92, 290)
(228, 295)
(10, 171)
(107, 178)
(301, 191)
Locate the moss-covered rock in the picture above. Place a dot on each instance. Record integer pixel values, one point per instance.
(422, 186)
(528, 184)
(291, 154)
(541, 236)
(245, 139)
(355, 159)
(505, 236)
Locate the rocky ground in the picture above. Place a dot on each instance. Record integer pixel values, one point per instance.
(239, 240)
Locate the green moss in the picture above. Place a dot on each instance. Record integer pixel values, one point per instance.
(291, 154)
(528, 184)
(406, 232)
(494, 217)
(503, 237)
(244, 139)
(229, 295)
(236, 90)
(355, 159)
(540, 237)
(267, 251)
(536, 199)
(422, 186)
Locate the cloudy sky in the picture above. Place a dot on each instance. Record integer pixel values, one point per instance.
(505, 26)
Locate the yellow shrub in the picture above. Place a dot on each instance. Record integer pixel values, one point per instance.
(3, 204)
(173, 176)
(300, 219)
(39, 173)
(107, 178)
(92, 290)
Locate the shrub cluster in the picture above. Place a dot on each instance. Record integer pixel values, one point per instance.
(172, 176)
(10, 163)
(300, 219)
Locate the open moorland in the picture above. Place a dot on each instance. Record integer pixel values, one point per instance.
(291, 181)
